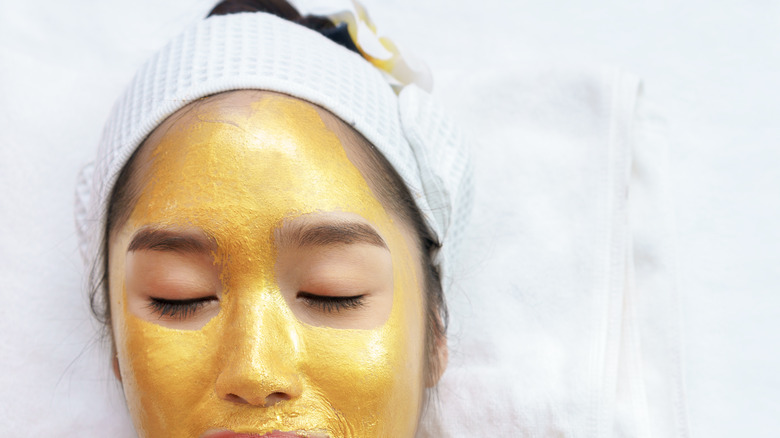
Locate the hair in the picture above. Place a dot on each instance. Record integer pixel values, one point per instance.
(382, 177)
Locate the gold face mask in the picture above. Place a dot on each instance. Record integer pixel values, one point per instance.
(259, 286)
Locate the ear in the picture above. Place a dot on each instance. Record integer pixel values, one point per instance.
(115, 367)
(442, 355)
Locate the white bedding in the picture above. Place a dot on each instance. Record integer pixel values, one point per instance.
(711, 67)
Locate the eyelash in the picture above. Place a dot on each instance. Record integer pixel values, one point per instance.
(182, 309)
(330, 304)
(177, 309)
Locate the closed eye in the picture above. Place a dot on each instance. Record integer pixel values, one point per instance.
(331, 304)
(178, 309)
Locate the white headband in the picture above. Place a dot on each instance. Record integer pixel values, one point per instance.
(262, 51)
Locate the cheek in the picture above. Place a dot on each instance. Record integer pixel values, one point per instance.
(370, 377)
(166, 373)
(355, 371)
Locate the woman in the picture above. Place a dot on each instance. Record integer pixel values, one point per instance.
(272, 229)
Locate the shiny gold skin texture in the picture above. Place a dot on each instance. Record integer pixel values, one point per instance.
(237, 167)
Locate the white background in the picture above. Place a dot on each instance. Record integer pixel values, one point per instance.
(711, 65)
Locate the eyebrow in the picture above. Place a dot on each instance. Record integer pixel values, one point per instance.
(326, 234)
(295, 233)
(151, 239)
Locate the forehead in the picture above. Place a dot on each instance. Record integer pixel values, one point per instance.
(249, 154)
(237, 104)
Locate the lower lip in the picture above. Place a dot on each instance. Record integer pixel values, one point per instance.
(229, 434)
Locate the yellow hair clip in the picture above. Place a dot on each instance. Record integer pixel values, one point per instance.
(378, 50)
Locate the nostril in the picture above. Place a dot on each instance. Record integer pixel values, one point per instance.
(275, 398)
(235, 399)
(269, 401)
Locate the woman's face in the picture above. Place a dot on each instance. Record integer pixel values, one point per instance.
(260, 286)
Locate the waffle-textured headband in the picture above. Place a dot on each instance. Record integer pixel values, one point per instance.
(261, 51)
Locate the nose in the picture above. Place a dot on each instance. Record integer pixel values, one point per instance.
(259, 365)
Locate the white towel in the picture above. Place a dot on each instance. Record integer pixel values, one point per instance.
(565, 323)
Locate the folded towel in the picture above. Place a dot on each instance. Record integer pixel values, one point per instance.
(564, 322)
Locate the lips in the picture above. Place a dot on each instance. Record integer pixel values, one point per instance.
(275, 434)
